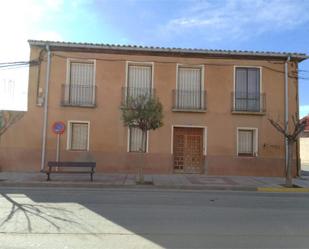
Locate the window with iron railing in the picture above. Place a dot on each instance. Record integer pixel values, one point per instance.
(189, 100)
(189, 95)
(130, 93)
(247, 96)
(78, 95)
(80, 90)
(139, 82)
(248, 102)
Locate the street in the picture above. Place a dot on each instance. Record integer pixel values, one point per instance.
(148, 218)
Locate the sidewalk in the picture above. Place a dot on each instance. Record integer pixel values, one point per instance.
(176, 181)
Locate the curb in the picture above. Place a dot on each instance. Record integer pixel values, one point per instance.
(283, 190)
(132, 186)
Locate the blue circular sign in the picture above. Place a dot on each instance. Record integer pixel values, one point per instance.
(58, 127)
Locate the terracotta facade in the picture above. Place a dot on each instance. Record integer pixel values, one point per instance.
(21, 145)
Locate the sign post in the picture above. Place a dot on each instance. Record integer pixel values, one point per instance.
(58, 148)
(58, 128)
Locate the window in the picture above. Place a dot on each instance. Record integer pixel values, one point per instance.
(136, 143)
(247, 89)
(247, 142)
(189, 94)
(139, 80)
(78, 136)
(80, 88)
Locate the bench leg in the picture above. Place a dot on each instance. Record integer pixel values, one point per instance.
(48, 177)
(91, 177)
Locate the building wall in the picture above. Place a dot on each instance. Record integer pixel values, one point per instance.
(21, 145)
(304, 152)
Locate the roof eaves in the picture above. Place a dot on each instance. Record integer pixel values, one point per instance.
(298, 56)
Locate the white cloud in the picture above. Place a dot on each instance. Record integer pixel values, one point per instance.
(303, 110)
(230, 19)
(20, 21)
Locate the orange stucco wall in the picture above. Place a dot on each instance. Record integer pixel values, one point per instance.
(21, 144)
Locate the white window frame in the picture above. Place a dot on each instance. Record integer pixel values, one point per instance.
(200, 66)
(69, 129)
(256, 137)
(139, 63)
(190, 126)
(68, 72)
(128, 142)
(234, 80)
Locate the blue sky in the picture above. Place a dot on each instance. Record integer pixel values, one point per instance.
(278, 25)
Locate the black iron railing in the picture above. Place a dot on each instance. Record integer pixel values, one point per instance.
(78, 95)
(136, 92)
(248, 102)
(189, 100)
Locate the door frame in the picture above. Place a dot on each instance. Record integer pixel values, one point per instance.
(204, 140)
(190, 126)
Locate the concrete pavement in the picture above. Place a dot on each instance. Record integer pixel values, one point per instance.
(174, 181)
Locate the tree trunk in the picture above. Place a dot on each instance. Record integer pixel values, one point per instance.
(142, 157)
(288, 179)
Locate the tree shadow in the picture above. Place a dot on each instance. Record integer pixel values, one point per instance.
(156, 219)
(37, 210)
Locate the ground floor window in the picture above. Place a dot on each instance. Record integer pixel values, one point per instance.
(247, 142)
(78, 135)
(136, 143)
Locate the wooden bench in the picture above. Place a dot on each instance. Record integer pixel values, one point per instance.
(83, 168)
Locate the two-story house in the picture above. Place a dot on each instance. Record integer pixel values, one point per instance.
(216, 109)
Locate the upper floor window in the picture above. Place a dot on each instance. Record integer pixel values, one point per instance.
(80, 87)
(139, 79)
(247, 95)
(189, 94)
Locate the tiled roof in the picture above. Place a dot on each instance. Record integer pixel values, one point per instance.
(297, 56)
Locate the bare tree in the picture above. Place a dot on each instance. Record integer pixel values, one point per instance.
(144, 112)
(8, 118)
(291, 136)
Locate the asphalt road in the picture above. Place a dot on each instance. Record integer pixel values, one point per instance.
(115, 218)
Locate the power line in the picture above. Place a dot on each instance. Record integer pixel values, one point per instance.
(173, 62)
(21, 64)
(18, 64)
(14, 62)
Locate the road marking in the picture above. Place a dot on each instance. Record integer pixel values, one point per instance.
(283, 190)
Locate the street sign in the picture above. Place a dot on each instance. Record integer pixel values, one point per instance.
(58, 127)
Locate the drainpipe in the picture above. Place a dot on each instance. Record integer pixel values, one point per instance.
(45, 112)
(286, 107)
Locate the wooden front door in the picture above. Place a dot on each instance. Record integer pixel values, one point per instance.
(188, 150)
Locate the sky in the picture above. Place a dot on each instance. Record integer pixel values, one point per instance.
(258, 25)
